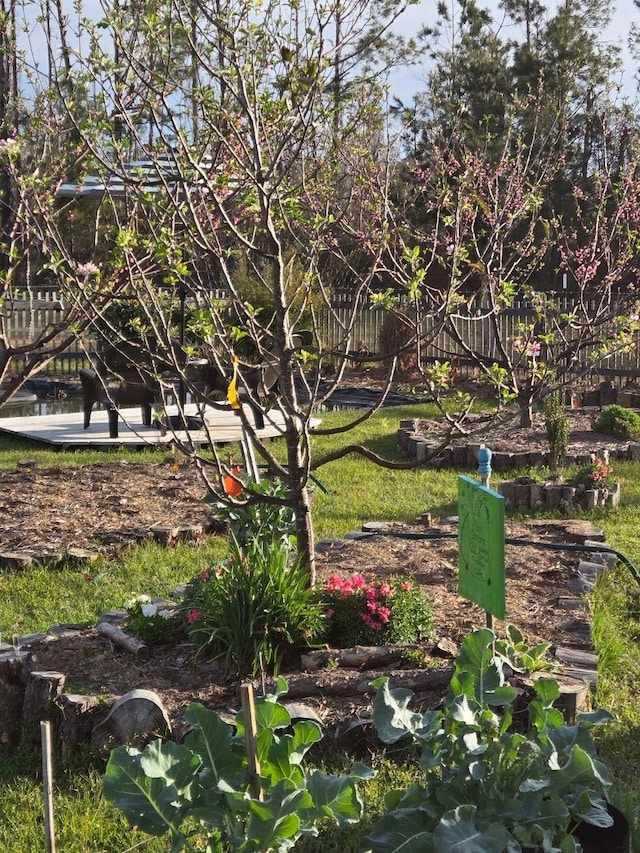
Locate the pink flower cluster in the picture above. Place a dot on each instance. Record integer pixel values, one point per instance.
(376, 612)
(345, 586)
(600, 473)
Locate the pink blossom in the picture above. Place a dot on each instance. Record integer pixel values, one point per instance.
(330, 613)
(88, 268)
(533, 349)
(193, 616)
(370, 623)
(6, 145)
(204, 575)
(384, 614)
(405, 585)
(385, 589)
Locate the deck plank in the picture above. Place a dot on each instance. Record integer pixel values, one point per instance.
(66, 431)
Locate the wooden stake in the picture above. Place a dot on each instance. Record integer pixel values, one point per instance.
(47, 785)
(251, 732)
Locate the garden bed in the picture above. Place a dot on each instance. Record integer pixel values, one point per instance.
(536, 582)
(512, 446)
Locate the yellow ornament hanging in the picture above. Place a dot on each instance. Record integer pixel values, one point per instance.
(232, 390)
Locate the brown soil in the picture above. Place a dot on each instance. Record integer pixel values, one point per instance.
(100, 507)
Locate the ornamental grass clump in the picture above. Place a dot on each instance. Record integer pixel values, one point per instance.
(374, 613)
(255, 610)
(557, 426)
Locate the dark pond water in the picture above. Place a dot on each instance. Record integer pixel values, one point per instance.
(41, 407)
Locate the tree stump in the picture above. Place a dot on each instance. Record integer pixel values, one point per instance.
(75, 723)
(11, 701)
(42, 691)
(13, 666)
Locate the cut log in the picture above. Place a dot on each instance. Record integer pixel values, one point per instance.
(574, 694)
(11, 700)
(134, 719)
(75, 723)
(42, 691)
(579, 664)
(122, 639)
(347, 683)
(358, 657)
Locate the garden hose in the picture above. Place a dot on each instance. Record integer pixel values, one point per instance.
(552, 546)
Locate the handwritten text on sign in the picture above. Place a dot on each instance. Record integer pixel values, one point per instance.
(481, 546)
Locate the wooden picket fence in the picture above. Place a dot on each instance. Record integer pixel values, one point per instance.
(39, 308)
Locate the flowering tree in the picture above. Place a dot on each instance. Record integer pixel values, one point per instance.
(487, 235)
(41, 240)
(261, 171)
(247, 170)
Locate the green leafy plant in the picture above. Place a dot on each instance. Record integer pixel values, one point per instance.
(200, 791)
(262, 513)
(557, 426)
(151, 622)
(361, 612)
(486, 787)
(618, 421)
(254, 609)
(595, 475)
(519, 656)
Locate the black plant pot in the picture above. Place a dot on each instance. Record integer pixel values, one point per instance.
(593, 839)
(611, 839)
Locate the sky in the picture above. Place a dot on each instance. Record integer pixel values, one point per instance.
(408, 81)
(624, 13)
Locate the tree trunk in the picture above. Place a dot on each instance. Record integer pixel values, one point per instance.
(525, 403)
(304, 530)
(298, 476)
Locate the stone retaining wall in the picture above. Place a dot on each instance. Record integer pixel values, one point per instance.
(524, 494)
(463, 455)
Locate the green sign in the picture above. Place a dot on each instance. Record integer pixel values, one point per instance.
(481, 546)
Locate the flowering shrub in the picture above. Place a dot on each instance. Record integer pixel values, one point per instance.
(596, 475)
(361, 612)
(150, 622)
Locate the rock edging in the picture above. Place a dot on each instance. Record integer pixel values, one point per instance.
(463, 455)
(524, 493)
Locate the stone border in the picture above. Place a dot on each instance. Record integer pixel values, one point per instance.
(463, 455)
(523, 493)
(166, 534)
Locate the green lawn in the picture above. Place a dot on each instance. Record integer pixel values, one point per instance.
(352, 491)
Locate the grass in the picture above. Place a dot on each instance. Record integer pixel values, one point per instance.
(356, 491)
(33, 600)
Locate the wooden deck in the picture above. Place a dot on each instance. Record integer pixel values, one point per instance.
(66, 431)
